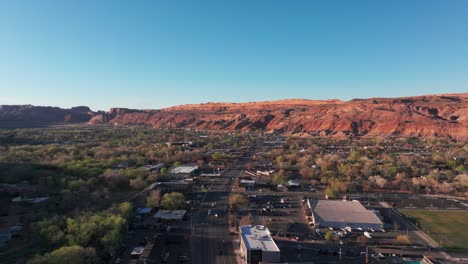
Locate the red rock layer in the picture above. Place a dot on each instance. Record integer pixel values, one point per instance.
(422, 116)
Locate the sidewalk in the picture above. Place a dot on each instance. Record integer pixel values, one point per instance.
(237, 252)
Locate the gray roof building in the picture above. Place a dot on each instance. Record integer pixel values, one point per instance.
(340, 214)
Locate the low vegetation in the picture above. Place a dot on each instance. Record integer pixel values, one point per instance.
(448, 228)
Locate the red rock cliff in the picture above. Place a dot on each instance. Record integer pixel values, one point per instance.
(422, 116)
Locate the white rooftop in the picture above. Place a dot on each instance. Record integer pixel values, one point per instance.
(184, 169)
(137, 250)
(293, 183)
(258, 237)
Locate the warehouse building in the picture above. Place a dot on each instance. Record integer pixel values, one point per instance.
(341, 214)
(257, 246)
(184, 171)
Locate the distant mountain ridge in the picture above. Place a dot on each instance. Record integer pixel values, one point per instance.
(12, 116)
(419, 116)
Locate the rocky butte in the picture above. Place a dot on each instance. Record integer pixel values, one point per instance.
(444, 116)
(420, 116)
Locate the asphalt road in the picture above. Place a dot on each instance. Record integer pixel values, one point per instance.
(211, 242)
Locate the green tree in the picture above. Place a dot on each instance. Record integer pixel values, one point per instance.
(330, 193)
(460, 169)
(173, 201)
(329, 236)
(69, 255)
(50, 231)
(98, 230)
(279, 179)
(238, 199)
(125, 209)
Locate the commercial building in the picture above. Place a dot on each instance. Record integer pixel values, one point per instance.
(257, 246)
(184, 171)
(170, 215)
(248, 184)
(341, 214)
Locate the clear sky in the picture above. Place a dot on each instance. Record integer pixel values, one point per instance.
(153, 54)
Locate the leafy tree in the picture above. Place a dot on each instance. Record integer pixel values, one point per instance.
(460, 169)
(403, 239)
(137, 183)
(125, 209)
(329, 236)
(173, 201)
(115, 180)
(153, 199)
(279, 179)
(362, 240)
(238, 199)
(98, 230)
(69, 255)
(50, 231)
(330, 193)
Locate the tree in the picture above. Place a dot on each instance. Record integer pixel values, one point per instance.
(403, 239)
(362, 239)
(103, 230)
(137, 183)
(125, 209)
(330, 193)
(329, 236)
(50, 231)
(378, 180)
(70, 255)
(114, 179)
(279, 179)
(154, 198)
(173, 201)
(238, 199)
(163, 171)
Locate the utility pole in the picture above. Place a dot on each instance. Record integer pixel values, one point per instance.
(340, 254)
(367, 254)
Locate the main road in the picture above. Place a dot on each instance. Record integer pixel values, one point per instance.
(211, 242)
(210, 239)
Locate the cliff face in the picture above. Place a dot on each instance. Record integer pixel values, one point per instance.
(29, 115)
(423, 116)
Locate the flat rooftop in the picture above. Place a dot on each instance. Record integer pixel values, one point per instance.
(170, 214)
(342, 211)
(184, 169)
(258, 237)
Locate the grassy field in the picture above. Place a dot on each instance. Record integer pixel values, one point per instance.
(448, 228)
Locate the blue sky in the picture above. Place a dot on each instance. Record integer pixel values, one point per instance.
(153, 54)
